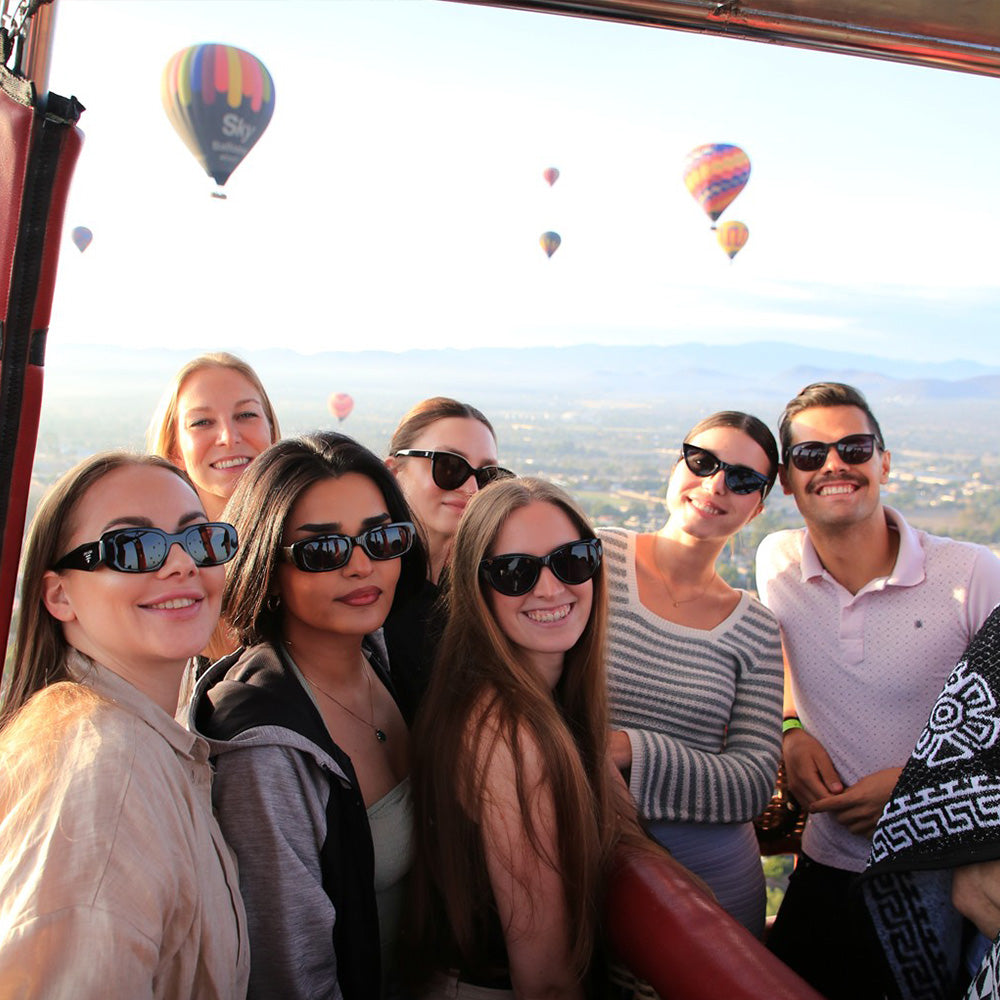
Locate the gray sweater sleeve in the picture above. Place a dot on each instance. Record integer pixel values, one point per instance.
(271, 804)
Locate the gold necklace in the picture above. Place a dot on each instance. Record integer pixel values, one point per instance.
(379, 734)
(663, 579)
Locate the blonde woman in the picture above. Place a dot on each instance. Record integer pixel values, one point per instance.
(212, 421)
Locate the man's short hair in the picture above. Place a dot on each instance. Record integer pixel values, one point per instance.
(825, 394)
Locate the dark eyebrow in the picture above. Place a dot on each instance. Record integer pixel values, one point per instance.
(137, 521)
(334, 527)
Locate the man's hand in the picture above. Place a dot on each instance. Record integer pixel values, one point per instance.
(975, 891)
(620, 748)
(860, 806)
(808, 768)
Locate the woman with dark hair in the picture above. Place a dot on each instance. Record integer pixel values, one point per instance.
(514, 811)
(311, 752)
(114, 877)
(442, 452)
(694, 666)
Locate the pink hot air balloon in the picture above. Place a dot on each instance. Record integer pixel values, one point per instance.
(551, 174)
(341, 405)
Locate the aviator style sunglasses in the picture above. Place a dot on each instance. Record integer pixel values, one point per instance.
(855, 449)
(144, 550)
(449, 471)
(328, 552)
(739, 478)
(515, 574)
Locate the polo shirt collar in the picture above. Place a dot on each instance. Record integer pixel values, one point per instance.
(909, 568)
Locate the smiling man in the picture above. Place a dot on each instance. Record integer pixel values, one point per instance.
(874, 615)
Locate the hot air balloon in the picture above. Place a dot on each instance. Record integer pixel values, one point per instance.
(82, 236)
(732, 237)
(551, 174)
(550, 242)
(715, 174)
(341, 405)
(219, 99)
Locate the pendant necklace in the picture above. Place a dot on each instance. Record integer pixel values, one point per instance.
(379, 734)
(687, 600)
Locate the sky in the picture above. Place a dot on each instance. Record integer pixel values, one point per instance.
(397, 198)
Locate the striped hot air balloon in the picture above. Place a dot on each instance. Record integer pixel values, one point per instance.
(715, 174)
(219, 99)
(732, 237)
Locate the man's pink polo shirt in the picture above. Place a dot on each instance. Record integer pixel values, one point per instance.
(867, 668)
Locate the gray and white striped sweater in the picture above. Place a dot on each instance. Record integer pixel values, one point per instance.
(702, 708)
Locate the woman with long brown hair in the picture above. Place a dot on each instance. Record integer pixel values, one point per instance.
(442, 453)
(513, 806)
(114, 877)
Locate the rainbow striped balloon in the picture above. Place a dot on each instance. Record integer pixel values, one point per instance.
(732, 237)
(219, 99)
(715, 174)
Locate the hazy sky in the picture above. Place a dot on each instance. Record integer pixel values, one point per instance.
(396, 199)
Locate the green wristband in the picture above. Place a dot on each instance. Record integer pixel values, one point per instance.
(792, 722)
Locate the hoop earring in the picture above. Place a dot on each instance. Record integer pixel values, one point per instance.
(272, 602)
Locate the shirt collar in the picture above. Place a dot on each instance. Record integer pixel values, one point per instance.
(109, 685)
(908, 570)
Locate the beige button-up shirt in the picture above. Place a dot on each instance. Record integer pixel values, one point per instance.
(115, 881)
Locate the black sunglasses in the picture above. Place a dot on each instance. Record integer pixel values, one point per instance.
(449, 470)
(145, 550)
(515, 574)
(855, 449)
(328, 552)
(739, 478)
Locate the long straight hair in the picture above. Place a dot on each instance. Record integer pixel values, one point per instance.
(262, 503)
(481, 676)
(40, 648)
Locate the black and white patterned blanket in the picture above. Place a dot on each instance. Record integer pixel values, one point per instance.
(944, 811)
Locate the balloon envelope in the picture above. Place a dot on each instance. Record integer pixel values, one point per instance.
(82, 236)
(732, 237)
(550, 242)
(341, 405)
(551, 174)
(219, 99)
(715, 174)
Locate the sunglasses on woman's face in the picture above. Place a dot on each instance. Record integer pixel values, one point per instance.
(739, 478)
(515, 574)
(855, 449)
(145, 550)
(324, 553)
(449, 470)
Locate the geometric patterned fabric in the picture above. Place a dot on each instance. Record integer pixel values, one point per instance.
(944, 811)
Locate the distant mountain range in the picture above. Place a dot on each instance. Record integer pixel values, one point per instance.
(764, 370)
